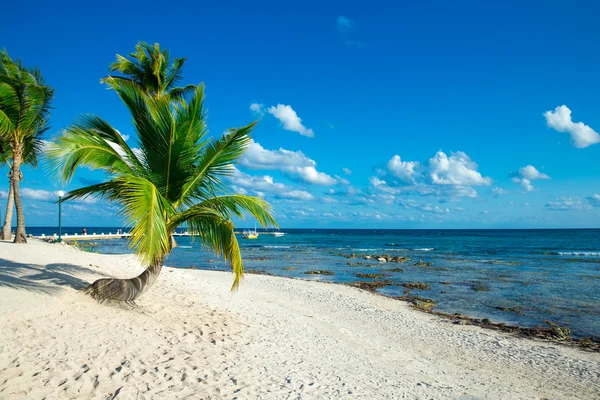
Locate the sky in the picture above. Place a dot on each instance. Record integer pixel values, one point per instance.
(429, 114)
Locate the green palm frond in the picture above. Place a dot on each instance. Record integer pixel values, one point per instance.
(92, 143)
(238, 205)
(216, 232)
(216, 161)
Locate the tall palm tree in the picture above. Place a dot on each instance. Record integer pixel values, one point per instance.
(32, 149)
(173, 177)
(24, 117)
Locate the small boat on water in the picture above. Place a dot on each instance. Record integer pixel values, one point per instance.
(247, 234)
(278, 234)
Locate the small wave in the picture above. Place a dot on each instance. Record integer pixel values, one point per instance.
(186, 247)
(277, 247)
(425, 249)
(577, 253)
(498, 262)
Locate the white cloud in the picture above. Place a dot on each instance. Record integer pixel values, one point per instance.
(290, 119)
(458, 169)
(258, 108)
(434, 209)
(262, 185)
(292, 163)
(347, 171)
(526, 175)
(566, 204)
(404, 170)
(125, 137)
(35, 194)
(498, 191)
(3, 194)
(594, 200)
(531, 173)
(581, 134)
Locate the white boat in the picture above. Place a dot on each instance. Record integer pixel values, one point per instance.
(278, 234)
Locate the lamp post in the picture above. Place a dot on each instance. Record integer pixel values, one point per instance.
(60, 194)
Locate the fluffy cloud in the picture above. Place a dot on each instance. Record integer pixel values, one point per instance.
(498, 191)
(3, 194)
(258, 108)
(292, 163)
(458, 169)
(526, 175)
(262, 185)
(290, 120)
(404, 170)
(433, 209)
(581, 134)
(34, 194)
(347, 171)
(566, 204)
(594, 200)
(443, 176)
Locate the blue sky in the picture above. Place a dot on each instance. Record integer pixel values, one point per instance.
(372, 115)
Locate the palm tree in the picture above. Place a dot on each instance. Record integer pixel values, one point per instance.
(174, 177)
(148, 66)
(31, 150)
(24, 114)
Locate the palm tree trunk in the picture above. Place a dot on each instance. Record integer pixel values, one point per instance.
(126, 290)
(6, 230)
(20, 235)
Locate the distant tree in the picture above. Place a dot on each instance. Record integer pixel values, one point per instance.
(174, 176)
(24, 117)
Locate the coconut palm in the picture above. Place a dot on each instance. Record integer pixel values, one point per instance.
(148, 66)
(174, 176)
(24, 114)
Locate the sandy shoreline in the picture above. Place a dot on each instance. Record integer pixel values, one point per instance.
(275, 338)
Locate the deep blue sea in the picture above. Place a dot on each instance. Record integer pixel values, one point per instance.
(540, 275)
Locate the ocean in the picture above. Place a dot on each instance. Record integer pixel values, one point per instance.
(519, 277)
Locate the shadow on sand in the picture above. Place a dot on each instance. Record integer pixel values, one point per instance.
(48, 279)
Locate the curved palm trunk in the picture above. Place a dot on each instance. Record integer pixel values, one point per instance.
(20, 235)
(126, 290)
(5, 234)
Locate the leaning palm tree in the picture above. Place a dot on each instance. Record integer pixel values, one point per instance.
(24, 114)
(174, 176)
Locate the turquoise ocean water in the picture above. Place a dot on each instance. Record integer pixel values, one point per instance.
(539, 275)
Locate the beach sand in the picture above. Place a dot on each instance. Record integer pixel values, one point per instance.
(276, 338)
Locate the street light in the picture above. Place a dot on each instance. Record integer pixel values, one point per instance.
(60, 194)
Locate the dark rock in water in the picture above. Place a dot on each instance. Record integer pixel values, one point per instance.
(423, 264)
(320, 272)
(289, 268)
(369, 276)
(486, 321)
(509, 309)
(557, 331)
(416, 285)
(479, 288)
(396, 270)
(419, 302)
(356, 264)
(370, 286)
(445, 283)
(443, 292)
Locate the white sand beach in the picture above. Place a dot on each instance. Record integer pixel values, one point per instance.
(276, 338)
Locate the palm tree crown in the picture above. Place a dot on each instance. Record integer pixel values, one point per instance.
(174, 175)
